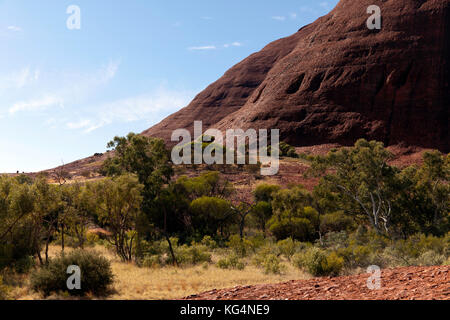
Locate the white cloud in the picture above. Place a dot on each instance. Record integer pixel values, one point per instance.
(151, 106)
(234, 44)
(19, 79)
(207, 18)
(279, 18)
(293, 15)
(202, 48)
(64, 88)
(14, 28)
(36, 104)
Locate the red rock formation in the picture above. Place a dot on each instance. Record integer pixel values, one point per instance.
(335, 81)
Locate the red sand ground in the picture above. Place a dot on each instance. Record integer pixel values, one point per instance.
(410, 283)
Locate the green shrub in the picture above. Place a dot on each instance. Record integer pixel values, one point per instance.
(191, 255)
(335, 222)
(209, 242)
(263, 252)
(240, 247)
(431, 258)
(289, 247)
(318, 263)
(96, 274)
(231, 262)
(272, 265)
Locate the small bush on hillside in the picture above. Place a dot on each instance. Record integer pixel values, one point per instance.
(318, 263)
(240, 247)
(289, 247)
(431, 258)
(231, 262)
(263, 252)
(209, 242)
(191, 255)
(96, 274)
(272, 265)
(335, 222)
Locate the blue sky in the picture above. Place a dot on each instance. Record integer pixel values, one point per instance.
(65, 93)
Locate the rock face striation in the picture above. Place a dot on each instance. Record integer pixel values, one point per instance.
(335, 81)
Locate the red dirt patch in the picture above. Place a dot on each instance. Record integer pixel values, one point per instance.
(410, 283)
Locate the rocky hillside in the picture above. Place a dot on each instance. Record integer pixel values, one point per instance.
(335, 81)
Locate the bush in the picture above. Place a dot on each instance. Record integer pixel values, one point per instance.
(318, 263)
(335, 222)
(96, 274)
(431, 258)
(289, 247)
(231, 262)
(240, 247)
(151, 261)
(272, 265)
(191, 255)
(209, 242)
(263, 252)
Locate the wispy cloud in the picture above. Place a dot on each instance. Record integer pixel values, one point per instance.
(151, 106)
(64, 88)
(200, 48)
(279, 18)
(19, 79)
(14, 28)
(234, 44)
(36, 104)
(207, 18)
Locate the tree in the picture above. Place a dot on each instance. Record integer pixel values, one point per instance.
(119, 208)
(264, 192)
(362, 175)
(293, 215)
(79, 204)
(17, 241)
(149, 160)
(210, 215)
(261, 213)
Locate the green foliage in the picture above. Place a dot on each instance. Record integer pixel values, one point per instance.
(209, 184)
(265, 192)
(119, 209)
(335, 222)
(194, 254)
(261, 214)
(289, 247)
(318, 262)
(209, 242)
(272, 265)
(210, 215)
(240, 247)
(96, 274)
(233, 261)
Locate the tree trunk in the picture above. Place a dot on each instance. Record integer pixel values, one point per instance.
(174, 259)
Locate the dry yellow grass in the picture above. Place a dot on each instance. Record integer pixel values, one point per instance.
(168, 283)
